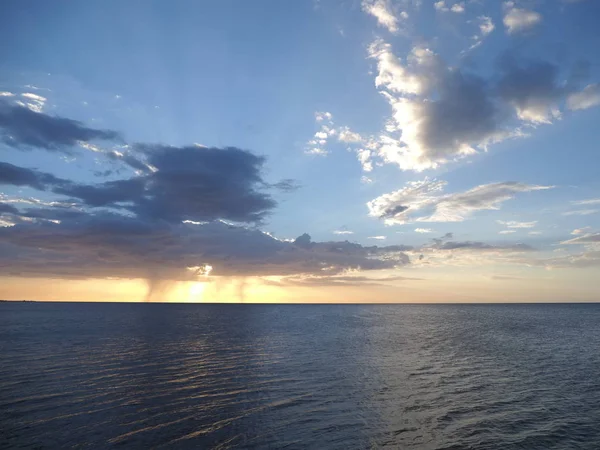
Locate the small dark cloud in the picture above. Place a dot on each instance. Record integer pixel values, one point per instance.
(287, 185)
(23, 128)
(475, 245)
(505, 278)
(391, 212)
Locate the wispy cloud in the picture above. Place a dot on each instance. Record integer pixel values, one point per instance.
(581, 212)
(516, 224)
(423, 201)
(591, 201)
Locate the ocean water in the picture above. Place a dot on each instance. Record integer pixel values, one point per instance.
(298, 376)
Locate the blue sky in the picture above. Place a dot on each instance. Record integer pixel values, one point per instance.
(466, 131)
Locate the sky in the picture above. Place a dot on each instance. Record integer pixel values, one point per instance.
(306, 151)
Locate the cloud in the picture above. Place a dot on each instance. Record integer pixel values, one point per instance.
(20, 176)
(486, 25)
(475, 245)
(587, 98)
(321, 116)
(517, 20)
(186, 183)
(515, 224)
(579, 231)
(423, 230)
(316, 146)
(342, 231)
(423, 201)
(591, 201)
(339, 280)
(22, 128)
(382, 11)
(441, 114)
(588, 238)
(109, 245)
(460, 116)
(346, 135)
(533, 90)
(455, 8)
(581, 212)
(443, 252)
(395, 76)
(506, 232)
(378, 238)
(581, 260)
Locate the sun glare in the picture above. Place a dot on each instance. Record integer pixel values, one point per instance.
(196, 292)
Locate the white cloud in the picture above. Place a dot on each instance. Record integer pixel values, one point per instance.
(534, 232)
(591, 201)
(33, 101)
(581, 212)
(423, 230)
(378, 238)
(440, 6)
(391, 73)
(588, 98)
(515, 224)
(6, 94)
(588, 238)
(460, 117)
(486, 25)
(321, 116)
(458, 8)
(518, 20)
(423, 201)
(34, 97)
(346, 135)
(382, 11)
(343, 232)
(364, 156)
(506, 232)
(579, 231)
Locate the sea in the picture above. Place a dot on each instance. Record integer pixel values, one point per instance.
(216, 376)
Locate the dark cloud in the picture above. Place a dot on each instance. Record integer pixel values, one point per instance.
(391, 212)
(22, 128)
(6, 208)
(533, 89)
(111, 245)
(21, 176)
(464, 113)
(105, 194)
(474, 245)
(184, 183)
(199, 183)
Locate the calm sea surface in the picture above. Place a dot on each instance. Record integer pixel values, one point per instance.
(291, 376)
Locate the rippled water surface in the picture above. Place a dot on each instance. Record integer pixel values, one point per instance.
(290, 376)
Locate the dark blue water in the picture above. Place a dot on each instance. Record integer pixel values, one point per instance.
(260, 376)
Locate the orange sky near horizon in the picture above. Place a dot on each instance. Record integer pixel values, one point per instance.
(432, 288)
